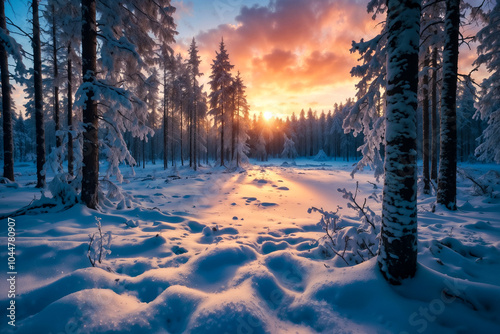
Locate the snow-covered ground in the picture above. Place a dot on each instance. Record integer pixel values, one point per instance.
(219, 252)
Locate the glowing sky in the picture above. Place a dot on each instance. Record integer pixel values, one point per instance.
(292, 54)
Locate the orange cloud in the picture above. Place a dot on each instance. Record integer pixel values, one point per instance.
(292, 52)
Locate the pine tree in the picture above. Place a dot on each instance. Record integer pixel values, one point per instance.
(241, 118)
(489, 105)
(131, 32)
(289, 150)
(398, 248)
(220, 96)
(195, 103)
(447, 177)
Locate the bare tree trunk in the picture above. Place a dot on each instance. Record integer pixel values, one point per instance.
(182, 149)
(398, 245)
(425, 125)
(434, 117)
(153, 126)
(144, 153)
(39, 122)
(90, 171)
(447, 177)
(233, 139)
(195, 136)
(165, 121)
(70, 115)
(56, 81)
(172, 153)
(222, 134)
(8, 139)
(238, 133)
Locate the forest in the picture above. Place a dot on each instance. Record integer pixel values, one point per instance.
(142, 195)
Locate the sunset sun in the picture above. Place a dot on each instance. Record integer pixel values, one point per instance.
(268, 115)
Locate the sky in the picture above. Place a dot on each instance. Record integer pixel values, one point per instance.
(292, 54)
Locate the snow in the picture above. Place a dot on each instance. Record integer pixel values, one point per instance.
(219, 252)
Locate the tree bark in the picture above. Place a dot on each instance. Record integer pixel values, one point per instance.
(398, 248)
(70, 114)
(434, 117)
(56, 81)
(425, 125)
(8, 139)
(222, 132)
(182, 150)
(447, 177)
(39, 122)
(90, 171)
(165, 121)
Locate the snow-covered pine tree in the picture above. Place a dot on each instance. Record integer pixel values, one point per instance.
(129, 32)
(289, 151)
(367, 114)
(468, 128)
(447, 177)
(151, 98)
(194, 105)
(398, 248)
(260, 150)
(489, 105)
(8, 47)
(242, 119)
(431, 40)
(220, 97)
(65, 17)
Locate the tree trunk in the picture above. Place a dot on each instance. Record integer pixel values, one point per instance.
(222, 134)
(425, 125)
(195, 137)
(233, 139)
(70, 114)
(182, 150)
(172, 153)
(153, 126)
(144, 153)
(165, 121)
(447, 177)
(434, 117)
(8, 139)
(398, 248)
(39, 122)
(90, 171)
(56, 81)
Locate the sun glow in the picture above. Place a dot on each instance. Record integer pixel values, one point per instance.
(268, 115)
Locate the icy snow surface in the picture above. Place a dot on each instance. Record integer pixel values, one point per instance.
(219, 252)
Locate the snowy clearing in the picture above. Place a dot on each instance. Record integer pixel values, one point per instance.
(219, 252)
